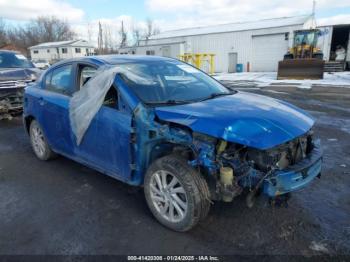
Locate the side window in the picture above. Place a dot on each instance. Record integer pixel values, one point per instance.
(86, 72)
(61, 80)
(111, 98)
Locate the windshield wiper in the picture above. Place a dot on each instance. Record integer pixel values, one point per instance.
(181, 102)
(168, 102)
(213, 95)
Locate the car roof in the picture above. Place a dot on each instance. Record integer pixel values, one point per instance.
(9, 52)
(115, 59)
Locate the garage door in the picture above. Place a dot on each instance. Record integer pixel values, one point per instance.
(267, 51)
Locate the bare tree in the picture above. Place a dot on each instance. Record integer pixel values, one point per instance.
(136, 34)
(42, 29)
(89, 31)
(50, 29)
(107, 36)
(106, 41)
(151, 28)
(3, 33)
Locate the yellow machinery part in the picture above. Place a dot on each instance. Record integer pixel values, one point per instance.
(197, 59)
(308, 68)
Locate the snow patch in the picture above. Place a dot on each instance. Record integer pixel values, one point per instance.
(263, 79)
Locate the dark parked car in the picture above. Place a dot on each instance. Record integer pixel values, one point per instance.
(171, 128)
(15, 73)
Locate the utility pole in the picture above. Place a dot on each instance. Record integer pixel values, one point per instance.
(314, 14)
(100, 39)
(123, 36)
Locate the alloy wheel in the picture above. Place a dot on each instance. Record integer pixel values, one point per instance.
(168, 196)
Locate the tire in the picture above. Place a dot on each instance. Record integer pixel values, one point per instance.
(39, 143)
(318, 56)
(189, 193)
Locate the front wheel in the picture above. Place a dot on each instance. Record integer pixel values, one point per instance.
(176, 194)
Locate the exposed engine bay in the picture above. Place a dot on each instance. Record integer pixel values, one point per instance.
(239, 167)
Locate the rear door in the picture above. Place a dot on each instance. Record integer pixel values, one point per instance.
(232, 62)
(54, 103)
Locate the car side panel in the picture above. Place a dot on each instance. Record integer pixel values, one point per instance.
(31, 102)
(55, 121)
(106, 145)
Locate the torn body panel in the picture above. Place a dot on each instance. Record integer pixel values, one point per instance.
(296, 176)
(275, 170)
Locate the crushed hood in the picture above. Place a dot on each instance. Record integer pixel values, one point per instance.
(248, 119)
(9, 74)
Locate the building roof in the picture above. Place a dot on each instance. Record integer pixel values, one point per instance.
(232, 27)
(81, 43)
(338, 20)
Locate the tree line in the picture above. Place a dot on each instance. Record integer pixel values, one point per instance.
(40, 30)
(110, 40)
(52, 29)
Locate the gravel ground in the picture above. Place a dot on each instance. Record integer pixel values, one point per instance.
(61, 207)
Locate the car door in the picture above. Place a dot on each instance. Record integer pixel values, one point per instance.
(54, 102)
(106, 143)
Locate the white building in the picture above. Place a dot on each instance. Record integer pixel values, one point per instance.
(257, 45)
(53, 51)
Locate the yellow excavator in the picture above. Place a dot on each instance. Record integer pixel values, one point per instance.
(304, 60)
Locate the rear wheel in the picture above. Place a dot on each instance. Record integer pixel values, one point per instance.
(176, 194)
(39, 143)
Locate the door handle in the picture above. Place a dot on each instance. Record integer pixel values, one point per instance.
(41, 101)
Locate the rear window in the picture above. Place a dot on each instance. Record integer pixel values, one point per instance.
(60, 80)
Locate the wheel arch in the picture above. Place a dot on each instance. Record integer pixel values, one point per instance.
(167, 148)
(27, 120)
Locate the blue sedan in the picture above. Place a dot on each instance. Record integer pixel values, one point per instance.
(162, 124)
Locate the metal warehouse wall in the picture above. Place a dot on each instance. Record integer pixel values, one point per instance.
(220, 44)
(325, 41)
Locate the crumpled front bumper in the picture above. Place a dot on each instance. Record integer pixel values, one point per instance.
(297, 176)
(10, 102)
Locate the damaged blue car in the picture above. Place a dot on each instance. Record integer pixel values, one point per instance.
(162, 124)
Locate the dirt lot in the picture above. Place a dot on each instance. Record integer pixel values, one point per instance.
(61, 207)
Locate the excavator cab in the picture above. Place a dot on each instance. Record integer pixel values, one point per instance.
(304, 60)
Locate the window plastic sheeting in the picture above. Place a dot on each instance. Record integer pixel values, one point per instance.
(85, 103)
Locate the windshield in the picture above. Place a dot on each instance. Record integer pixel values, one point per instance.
(304, 38)
(170, 82)
(13, 60)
